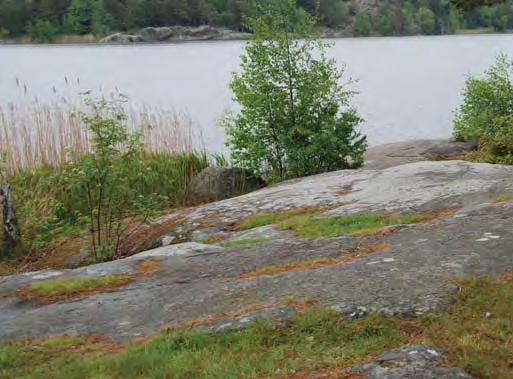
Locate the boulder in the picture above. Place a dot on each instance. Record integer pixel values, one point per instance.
(155, 34)
(418, 362)
(219, 183)
(121, 38)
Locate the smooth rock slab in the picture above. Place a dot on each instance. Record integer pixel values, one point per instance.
(195, 280)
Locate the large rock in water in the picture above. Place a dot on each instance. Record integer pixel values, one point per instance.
(406, 273)
(219, 183)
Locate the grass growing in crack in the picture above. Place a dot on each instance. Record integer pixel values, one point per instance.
(244, 242)
(56, 288)
(258, 220)
(476, 335)
(312, 227)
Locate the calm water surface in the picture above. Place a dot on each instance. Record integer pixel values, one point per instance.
(408, 87)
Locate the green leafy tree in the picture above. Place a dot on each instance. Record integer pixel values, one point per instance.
(485, 100)
(115, 206)
(294, 117)
(3, 32)
(42, 31)
(427, 20)
(362, 24)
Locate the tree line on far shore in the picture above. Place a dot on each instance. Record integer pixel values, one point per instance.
(43, 20)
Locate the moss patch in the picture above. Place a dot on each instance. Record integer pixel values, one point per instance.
(258, 220)
(57, 289)
(314, 227)
(244, 242)
(503, 198)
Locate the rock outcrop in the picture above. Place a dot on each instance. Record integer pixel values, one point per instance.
(468, 233)
(220, 183)
(410, 362)
(175, 34)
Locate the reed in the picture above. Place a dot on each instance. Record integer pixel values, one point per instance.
(36, 134)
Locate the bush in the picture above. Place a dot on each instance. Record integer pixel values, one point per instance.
(486, 114)
(484, 101)
(496, 147)
(42, 31)
(294, 117)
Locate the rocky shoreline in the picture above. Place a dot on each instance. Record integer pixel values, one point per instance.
(175, 34)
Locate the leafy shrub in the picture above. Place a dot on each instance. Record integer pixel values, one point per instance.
(484, 101)
(486, 114)
(496, 147)
(294, 117)
(42, 31)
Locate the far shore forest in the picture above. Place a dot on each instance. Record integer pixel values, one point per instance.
(90, 20)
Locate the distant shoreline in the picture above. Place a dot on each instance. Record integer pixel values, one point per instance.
(213, 34)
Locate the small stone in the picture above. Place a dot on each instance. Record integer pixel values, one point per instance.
(482, 240)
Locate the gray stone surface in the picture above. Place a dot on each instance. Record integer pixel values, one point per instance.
(410, 362)
(175, 34)
(196, 280)
(399, 153)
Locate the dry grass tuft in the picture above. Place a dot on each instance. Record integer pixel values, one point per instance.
(345, 258)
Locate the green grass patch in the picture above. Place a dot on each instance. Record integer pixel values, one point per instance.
(314, 227)
(244, 242)
(258, 220)
(476, 335)
(312, 341)
(74, 286)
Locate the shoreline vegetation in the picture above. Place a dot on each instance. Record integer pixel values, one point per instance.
(121, 38)
(89, 21)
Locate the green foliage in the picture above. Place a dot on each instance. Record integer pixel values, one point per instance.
(73, 286)
(294, 117)
(42, 31)
(3, 32)
(88, 16)
(362, 24)
(388, 17)
(427, 20)
(496, 147)
(322, 227)
(115, 203)
(485, 100)
(49, 214)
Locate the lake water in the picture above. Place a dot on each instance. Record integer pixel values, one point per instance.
(408, 87)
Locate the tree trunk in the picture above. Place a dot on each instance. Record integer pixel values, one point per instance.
(9, 219)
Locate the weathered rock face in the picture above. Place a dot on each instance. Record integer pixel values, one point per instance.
(398, 153)
(408, 277)
(220, 183)
(174, 34)
(122, 38)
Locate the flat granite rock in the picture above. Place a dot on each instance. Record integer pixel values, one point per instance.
(194, 281)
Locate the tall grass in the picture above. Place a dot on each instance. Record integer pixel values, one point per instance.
(34, 134)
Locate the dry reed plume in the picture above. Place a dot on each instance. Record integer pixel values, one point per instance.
(41, 134)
